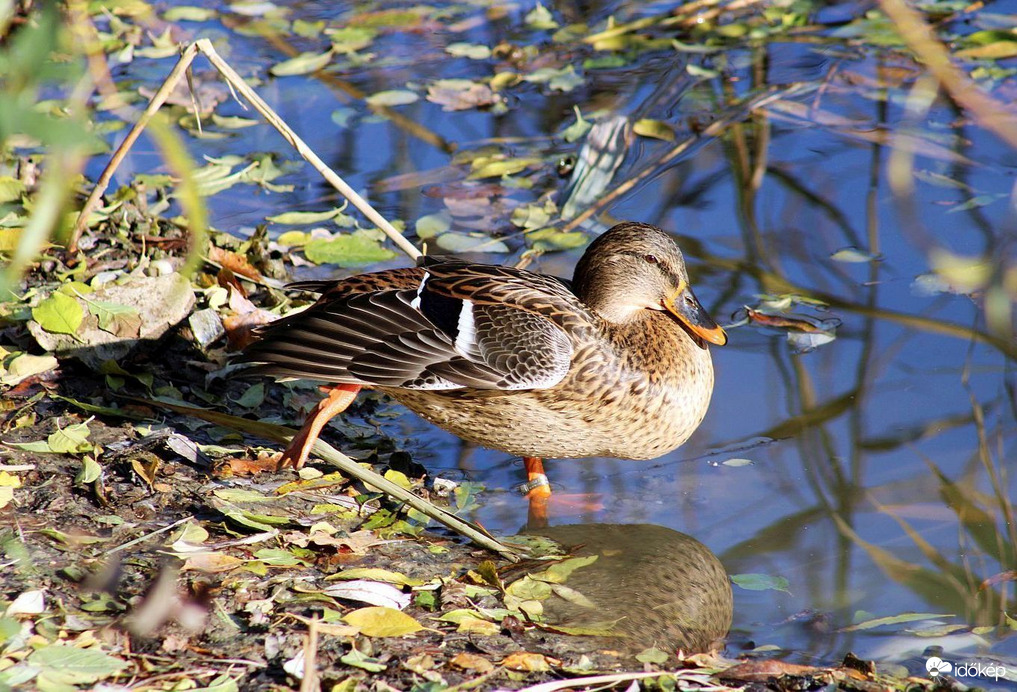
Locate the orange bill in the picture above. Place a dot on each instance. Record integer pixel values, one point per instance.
(684, 305)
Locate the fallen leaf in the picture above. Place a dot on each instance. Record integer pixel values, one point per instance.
(211, 563)
(468, 661)
(59, 314)
(527, 662)
(379, 621)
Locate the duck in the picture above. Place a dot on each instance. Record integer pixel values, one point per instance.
(614, 363)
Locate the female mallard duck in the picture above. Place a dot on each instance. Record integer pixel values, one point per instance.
(614, 365)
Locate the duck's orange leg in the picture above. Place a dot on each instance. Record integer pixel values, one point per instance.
(538, 492)
(338, 400)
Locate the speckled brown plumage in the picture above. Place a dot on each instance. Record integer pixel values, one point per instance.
(616, 365)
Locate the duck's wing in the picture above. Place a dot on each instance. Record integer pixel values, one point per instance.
(444, 325)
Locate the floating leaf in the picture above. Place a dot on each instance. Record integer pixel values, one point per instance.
(474, 51)
(895, 620)
(559, 572)
(463, 242)
(557, 79)
(59, 314)
(461, 94)
(993, 51)
(657, 129)
(760, 582)
(302, 218)
(854, 255)
(540, 18)
(432, 224)
(497, 167)
(233, 122)
(393, 97)
(351, 39)
(580, 127)
(353, 250)
(737, 462)
(188, 13)
(305, 63)
(379, 621)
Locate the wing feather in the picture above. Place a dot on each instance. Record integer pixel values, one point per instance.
(445, 325)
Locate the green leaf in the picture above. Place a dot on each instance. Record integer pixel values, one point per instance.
(189, 13)
(558, 79)
(896, 620)
(379, 621)
(432, 224)
(305, 63)
(558, 573)
(655, 129)
(463, 242)
(351, 39)
(474, 51)
(354, 250)
(359, 660)
(393, 97)
(540, 18)
(376, 574)
(122, 320)
(90, 471)
(760, 582)
(303, 218)
(70, 440)
(59, 314)
(653, 655)
(577, 129)
(74, 666)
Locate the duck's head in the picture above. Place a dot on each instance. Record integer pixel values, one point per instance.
(635, 267)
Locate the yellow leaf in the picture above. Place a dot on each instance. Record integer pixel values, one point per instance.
(212, 562)
(378, 621)
(478, 626)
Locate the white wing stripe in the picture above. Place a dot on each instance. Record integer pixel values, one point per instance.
(466, 339)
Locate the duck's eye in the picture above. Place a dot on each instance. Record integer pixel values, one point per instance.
(652, 259)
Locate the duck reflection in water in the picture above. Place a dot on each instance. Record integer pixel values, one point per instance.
(648, 586)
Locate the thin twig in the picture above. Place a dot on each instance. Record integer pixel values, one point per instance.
(205, 46)
(310, 679)
(145, 537)
(154, 104)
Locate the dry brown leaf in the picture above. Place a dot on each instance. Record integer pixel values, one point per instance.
(527, 662)
(468, 661)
